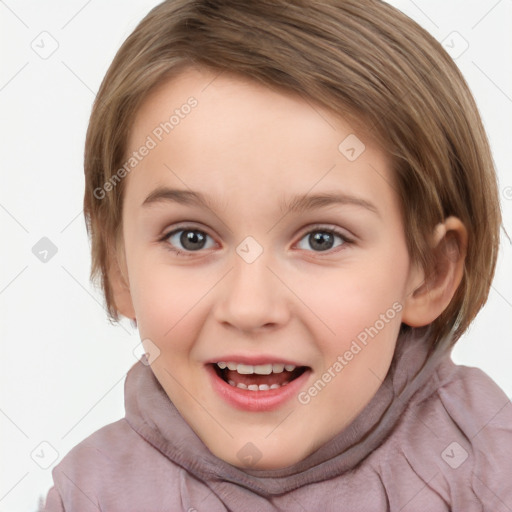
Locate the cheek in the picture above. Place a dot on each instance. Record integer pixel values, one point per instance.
(348, 300)
(365, 317)
(168, 303)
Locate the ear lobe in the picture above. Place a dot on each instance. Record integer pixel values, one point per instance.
(428, 300)
(118, 278)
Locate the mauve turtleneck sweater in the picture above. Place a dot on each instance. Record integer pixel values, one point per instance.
(435, 437)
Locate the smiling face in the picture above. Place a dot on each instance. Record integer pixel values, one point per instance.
(254, 240)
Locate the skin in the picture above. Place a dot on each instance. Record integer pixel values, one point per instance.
(247, 148)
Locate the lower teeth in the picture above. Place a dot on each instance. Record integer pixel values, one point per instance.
(255, 387)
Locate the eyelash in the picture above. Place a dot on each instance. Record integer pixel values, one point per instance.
(319, 229)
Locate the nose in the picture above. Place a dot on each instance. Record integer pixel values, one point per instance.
(252, 298)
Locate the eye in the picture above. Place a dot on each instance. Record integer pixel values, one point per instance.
(321, 240)
(190, 240)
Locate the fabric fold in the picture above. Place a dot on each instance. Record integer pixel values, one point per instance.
(153, 416)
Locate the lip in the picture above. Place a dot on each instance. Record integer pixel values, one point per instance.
(256, 401)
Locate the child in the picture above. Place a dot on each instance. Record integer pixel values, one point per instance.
(296, 204)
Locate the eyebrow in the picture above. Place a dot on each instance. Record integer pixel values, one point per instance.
(165, 194)
(296, 204)
(300, 204)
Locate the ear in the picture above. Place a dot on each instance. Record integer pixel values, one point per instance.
(118, 278)
(432, 293)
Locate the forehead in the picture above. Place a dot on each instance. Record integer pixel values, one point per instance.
(236, 140)
(228, 107)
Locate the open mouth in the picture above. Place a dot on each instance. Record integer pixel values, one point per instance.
(261, 377)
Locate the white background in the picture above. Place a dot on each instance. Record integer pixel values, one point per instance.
(62, 363)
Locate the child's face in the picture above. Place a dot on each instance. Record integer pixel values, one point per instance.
(259, 282)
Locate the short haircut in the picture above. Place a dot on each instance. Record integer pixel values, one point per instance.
(363, 60)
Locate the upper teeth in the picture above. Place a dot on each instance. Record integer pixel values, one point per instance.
(260, 369)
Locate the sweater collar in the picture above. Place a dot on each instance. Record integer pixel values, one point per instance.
(152, 415)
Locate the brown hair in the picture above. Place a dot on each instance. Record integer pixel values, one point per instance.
(358, 58)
